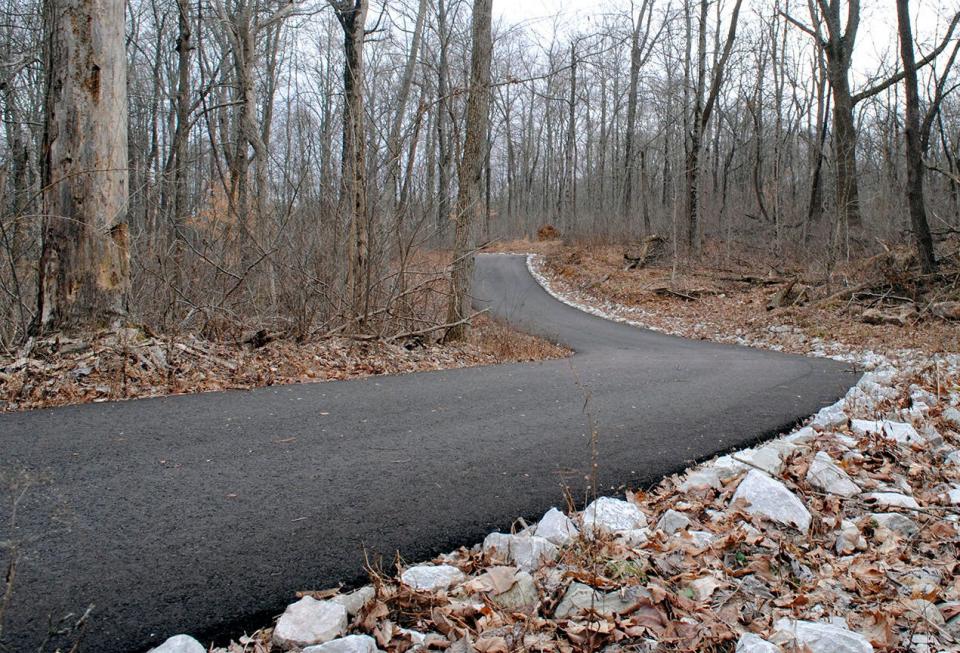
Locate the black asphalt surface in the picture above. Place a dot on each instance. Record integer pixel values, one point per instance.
(205, 513)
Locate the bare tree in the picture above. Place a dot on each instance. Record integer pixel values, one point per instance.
(470, 208)
(352, 15)
(640, 50)
(911, 128)
(838, 44)
(702, 110)
(85, 264)
(393, 144)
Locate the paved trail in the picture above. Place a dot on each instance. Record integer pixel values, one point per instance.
(206, 513)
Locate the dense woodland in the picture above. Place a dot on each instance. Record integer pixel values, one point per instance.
(221, 165)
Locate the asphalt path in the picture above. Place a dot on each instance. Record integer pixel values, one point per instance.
(206, 513)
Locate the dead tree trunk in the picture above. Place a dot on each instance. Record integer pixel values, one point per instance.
(469, 209)
(85, 262)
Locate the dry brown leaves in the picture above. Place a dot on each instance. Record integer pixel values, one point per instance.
(726, 298)
(130, 363)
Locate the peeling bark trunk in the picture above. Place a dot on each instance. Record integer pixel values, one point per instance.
(85, 262)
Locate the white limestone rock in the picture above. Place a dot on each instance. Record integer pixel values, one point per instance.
(527, 552)
(953, 458)
(771, 500)
(884, 374)
(821, 637)
(702, 479)
(896, 523)
(356, 600)
(859, 400)
(557, 528)
(180, 644)
(785, 447)
(892, 499)
(726, 467)
(750, 643)
(806, 435)
(348, 644)
(672, 521)
(849, 539)
(846, 441)
(952, 418)
(831, 417)
(919, 395)
(897, 431)
(765, 458)
(635, 537)
(308, 622)
(825, 475)
(699, 539)
(953, 495)
(609, 515)
(432, 578)
(582, 598)
(877, 387)
(931, 436)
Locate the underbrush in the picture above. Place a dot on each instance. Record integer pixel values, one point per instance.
(881, 302)
(134, 362)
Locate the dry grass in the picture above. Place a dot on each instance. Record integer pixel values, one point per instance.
(525, 246)
(506, 344)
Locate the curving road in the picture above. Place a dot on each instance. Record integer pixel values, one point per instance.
(205, 513)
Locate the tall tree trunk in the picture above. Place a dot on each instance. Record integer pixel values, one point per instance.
(444, 146)
(918, 213)
(393, 142)
(701, 116)
(469, 201)
(568, 214)
(85, 262)
(178, 154)
(845, 150)
(352, 15)
(630, 136)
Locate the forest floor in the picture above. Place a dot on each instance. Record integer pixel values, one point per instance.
(843, 536)
(133, 363)
(882, 303)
